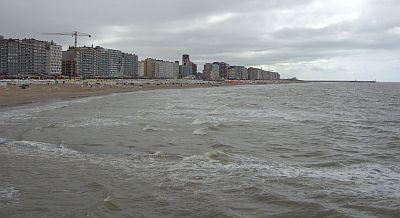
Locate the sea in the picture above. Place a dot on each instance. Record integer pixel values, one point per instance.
(282, 150)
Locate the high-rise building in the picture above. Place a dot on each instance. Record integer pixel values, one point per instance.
(68, 66)
(254, 73)
(207, 71)
(55, 58)
(29, 57)
(129, 65)
(141, 69)
(223, 69)
(211, 71)
(150, 68)
(259, 74)
(188, 68)
(87, 62)
(34, 58)
(167, 69)
(9, 57)
(237, 72)
(99, 62)
(1, 37)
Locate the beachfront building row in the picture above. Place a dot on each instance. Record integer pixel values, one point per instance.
(151, 68)
(259, 74)
(221, 71)
(29, 57)
(91, 62)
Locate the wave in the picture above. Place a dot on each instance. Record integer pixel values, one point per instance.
(200, 131)
(31, 148)
(93, 122)
(8, 195)
(27, 112)
(207, 129)
(155, 129)
(370, 180)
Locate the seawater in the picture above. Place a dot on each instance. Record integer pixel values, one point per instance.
(303, 150)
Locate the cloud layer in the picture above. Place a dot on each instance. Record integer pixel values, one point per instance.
(309, 39)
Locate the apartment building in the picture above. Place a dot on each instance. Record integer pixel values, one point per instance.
(141, 69)
(29, 57)
(34, 58)
(99, 62)
(223, 69)
(129, 67)
(259, 74)
(167, 69)
(238, 72)
(55, 58)
(150, 68)
(9, 57)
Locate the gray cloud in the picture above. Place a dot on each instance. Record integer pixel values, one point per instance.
(310, 39)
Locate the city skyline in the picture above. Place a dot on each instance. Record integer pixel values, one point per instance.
(355, 40)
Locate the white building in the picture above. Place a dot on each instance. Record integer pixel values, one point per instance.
(166, 69)
(55, 55)
(141, 69)
(215, 72)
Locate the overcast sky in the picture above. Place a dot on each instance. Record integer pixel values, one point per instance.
(307, 39)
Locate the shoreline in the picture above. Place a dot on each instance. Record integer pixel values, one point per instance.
(13, 95)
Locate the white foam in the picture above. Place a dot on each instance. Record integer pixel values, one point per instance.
(108, 198)
(152, 128)
(95, 122)
(200, 131)
(8, 195)
(24, 148)
(27, 112)
(361, 180)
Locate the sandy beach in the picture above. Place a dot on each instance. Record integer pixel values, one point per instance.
(13, 95)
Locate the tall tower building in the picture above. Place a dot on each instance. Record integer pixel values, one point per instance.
(188, 67)
(9, 57)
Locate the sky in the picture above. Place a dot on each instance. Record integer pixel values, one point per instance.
(307, 39)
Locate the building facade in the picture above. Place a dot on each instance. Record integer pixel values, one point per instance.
(29, 57)
(150, 68)
(259, 74)
(188, 69)
(211, 71)
(9, 57)
(238, 73)
(55, 58)
(34, 58)
(129, 65)
(99, 62)
(168, 70)
(141, 69)
(223, 69)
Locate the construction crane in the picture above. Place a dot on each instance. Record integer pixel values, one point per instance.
(74, 34)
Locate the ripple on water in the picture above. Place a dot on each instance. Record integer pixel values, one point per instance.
(9, 195)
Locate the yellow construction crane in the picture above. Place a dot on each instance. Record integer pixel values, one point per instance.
(74, 34)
